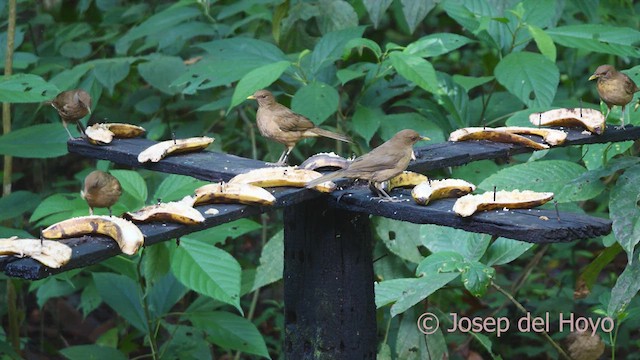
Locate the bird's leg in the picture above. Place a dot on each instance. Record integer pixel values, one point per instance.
(90, 211)
(621, 120)
(383, 195)
(110, 212)
(282, 161)
(81, 128)
(64, 123)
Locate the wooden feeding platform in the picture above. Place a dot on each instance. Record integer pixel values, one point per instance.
(328, 276)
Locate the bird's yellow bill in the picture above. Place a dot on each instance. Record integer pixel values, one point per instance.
(251, 97)
(593, 77)
(424, 138)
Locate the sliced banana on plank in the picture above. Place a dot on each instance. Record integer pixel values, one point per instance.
(181, 212)
(550, 136)
(325, 160)
(282, 176)
(589, 119)
(53, 254)
(406, 179)
(481, 133)
(124, 232)
(440, 189)
(159, 151)
(103, 133)
(516, 199)
(233, 193)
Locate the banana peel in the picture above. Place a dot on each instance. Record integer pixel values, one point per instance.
(103, 133)
(550, 136)
(181, 212)
(482, 133)
(233, 193)
(439, 189)
(159, 151)
(405, 179)
(325, 160)
(589, 119)
(124, 232)
(282, 176)
(516, 199)
(53, 254)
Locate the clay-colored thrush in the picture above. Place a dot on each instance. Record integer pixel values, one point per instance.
(277, 122)
(72, 105)
(101, 190)
(614, 88)
(380, 164)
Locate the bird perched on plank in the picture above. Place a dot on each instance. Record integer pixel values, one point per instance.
(101, 190)
(277, 122)
(380, 164)
(614, 88)
(72, 105)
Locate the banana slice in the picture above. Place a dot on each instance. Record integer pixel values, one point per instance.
(103, 133)
(124, 232)
(440, 189)
(159, 151)
(325, 160)
(516, 199)
(98, 134)
(550, 136)
(233, 193)
(590, 119)
(53, 254)
(121, 130)
(181, 212)
(282, 176)
(480, 133)
(406, 179)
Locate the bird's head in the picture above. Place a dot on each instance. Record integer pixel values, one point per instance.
(264, 97)
(83, 98)
(409, 137)
(603, 72)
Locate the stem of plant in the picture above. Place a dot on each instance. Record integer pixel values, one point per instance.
(524, 311)
(145, 306)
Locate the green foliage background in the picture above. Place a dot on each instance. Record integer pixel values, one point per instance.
(367, 68)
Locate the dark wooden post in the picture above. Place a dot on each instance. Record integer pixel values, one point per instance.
(328, 283)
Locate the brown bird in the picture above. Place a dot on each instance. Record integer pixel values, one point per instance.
(614, 88)
(72, 105)
(101, 190)
(277, 122)
(380, 164)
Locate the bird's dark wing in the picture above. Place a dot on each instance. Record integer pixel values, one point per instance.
(629, 86)
(288, 120)
(379, 158)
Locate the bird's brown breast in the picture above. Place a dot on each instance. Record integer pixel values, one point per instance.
(616, 90)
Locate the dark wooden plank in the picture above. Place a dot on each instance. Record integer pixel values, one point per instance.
(525, 225)
(437, 156)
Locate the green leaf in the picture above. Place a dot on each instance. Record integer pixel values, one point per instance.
(92, 352)
(471, 246)
(336, 15)
(134, 190)
(361, 43)
(316, 101)
(271, 265)
(476, 277)
(50, 288)
(59, 207)
(503, 251)
(346, 75)
(36, 141)
(376, 8)
(436, 44)
(615, 40)
(76, 49)
(625, 212)
(122, 294)
(415, 69)
(208, 270)
(626, 288)
(257, 79)
(230, 331)
(161, 71)
(415, 11)
(186, 342)
(89, 299)
(164, 294)
(6, 232)
(440, 262)
(393, 123)
(411, 344)
(542, 176)
(110, 72)
(454, 98)
(175, 187)
(408, 292)
(219, 234)
(26, 88)
(68, 79)
(531, 77)
(331, 46)
(366, 121)
(399, 238)
(17, 203)
(544, 42)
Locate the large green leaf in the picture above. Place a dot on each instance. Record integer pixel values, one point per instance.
(503, 251)
(336, 15)
(257, 79)
(393, 123)
(626, 288)
(110, 72)
(122, 294)
(366, 121)
(471, 246)
(436, 44)
(416, 69)
(59, 207)
(376, 9)
(415, 11)
(17, 203)
(230, 331)
(271, 262)
(411, 344)
(476, 277)
(134, 190)
(164, 294)
(331, 46)
(26, 88)
(218, 234)
(36, 141)
(161, 71)
(208, 270)
(531, 77)
(317, 101)
(625, 212)
(186, 342)
(175, 187)
(544, 42)
(399, 237)
(621, 41)
(408, 292)
(92, 352)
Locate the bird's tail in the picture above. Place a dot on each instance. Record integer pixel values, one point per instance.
(329, 134)
(324, 178)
